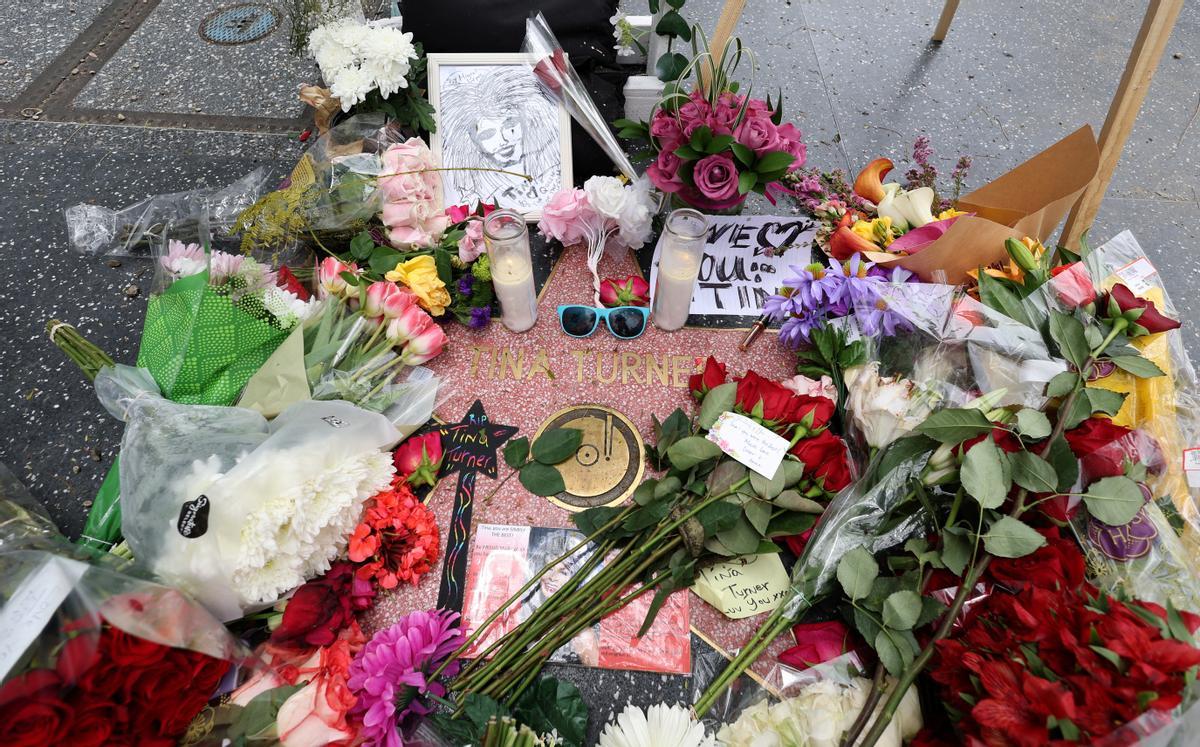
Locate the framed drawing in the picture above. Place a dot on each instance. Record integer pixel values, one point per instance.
(494, 117)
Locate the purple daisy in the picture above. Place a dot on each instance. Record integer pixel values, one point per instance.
(858, 282)
(389, 675)
(795, 330)
(876, 315)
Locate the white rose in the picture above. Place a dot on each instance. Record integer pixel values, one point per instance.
(884, 408)
(607, 195)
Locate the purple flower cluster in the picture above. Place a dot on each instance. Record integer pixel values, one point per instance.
(819, 293)
(481, 316)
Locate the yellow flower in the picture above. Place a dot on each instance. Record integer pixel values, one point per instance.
(421, 277)
(877, 231)
(1010, 269)
(950, 213)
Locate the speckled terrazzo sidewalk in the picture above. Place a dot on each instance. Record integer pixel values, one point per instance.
(130, 102)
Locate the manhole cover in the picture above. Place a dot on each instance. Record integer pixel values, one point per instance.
(239, 24)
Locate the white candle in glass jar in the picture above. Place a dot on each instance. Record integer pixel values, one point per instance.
(512, 280)
(678, 267)
(507, 240)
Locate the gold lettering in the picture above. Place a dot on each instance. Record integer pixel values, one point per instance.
(600, 377)
(631, 368)
(476, 352)
(654, 369)
(580, 355)
(541, 365)
(682, 366)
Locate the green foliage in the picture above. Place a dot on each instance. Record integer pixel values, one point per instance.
(955, 425)
(985, 474)
(1114, 500)
(1011, 538)
(856, 572)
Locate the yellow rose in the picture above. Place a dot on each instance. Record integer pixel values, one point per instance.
(420, 275)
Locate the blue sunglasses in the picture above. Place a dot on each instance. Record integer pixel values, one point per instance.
(624, 322)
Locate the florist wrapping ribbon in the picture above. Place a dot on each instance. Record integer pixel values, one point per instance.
(1030, 200)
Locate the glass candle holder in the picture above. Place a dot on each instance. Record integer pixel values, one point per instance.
(507, 239)
(678, 266)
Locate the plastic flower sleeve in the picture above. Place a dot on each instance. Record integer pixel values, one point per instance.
(85, 638)
(233, 509)
(136, 229)
(811, 706)
(559, 79)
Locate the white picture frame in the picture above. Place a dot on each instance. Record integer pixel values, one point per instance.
(524, 130)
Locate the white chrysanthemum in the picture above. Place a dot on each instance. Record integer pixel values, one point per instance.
(296, 533)
(659, 726)
(356, 58)
(817, 716)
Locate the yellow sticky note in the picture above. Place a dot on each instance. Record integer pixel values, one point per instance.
(744, 587)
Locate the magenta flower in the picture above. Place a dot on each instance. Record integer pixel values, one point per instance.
(389, 675)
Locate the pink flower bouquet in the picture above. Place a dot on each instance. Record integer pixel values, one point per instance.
(713, 151)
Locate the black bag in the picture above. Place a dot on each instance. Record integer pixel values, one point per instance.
(583, 27)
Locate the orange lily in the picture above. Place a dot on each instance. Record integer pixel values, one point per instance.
(869, 183)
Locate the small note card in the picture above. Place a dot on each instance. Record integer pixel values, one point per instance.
(748, 442)
(744, 587)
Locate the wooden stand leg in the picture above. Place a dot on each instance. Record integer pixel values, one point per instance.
(1122, 113)
(943, 24)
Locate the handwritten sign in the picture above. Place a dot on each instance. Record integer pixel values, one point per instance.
(746, 259)
(744, 587)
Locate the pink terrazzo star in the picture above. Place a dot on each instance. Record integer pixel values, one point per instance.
(524, 379)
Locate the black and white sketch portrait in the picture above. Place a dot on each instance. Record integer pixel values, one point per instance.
(492, 114)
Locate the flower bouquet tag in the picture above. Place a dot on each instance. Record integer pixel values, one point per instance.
(1138, 275)
(749, 443)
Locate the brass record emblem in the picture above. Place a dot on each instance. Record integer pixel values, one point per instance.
(608, 465)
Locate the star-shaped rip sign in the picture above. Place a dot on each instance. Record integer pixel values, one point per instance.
(469, 447)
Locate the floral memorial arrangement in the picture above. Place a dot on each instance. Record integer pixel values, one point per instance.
(949, 500)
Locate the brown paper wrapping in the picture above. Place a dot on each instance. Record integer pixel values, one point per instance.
(1030, 200)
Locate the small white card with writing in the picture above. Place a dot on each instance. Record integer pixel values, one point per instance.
(748, 442)
(33, 604)
(746, 259)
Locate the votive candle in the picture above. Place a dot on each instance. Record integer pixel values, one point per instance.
(507, 238)
(678, 267)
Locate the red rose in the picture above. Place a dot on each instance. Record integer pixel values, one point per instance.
(1103, 448)
(419, 458)
(712, 376)
(31, 712)
(1057, 564)
(825, 460)
(80, 653)
(126, 650)
(817, 643)
(1073, 284)
(1151, 320)
(777, 405)
(94, 723)
(322, 608)
(1003, 437)
(797, 542)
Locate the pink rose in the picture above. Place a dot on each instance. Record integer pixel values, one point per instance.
(471, 245)
(426, 345)
(563, 215)
(791, 141)
(758, 108)
(716, 178)
(459, 213)
(759, 134)
(666, 130)
(664, 173)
